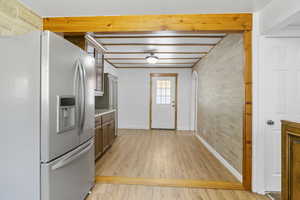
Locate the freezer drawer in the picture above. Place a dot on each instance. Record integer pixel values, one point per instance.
(71, 176)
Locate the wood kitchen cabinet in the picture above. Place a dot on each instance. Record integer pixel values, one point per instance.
(98, 54)
(111, 134)
(290, 161)
(105, 133)
(98, 138)
(105, 129)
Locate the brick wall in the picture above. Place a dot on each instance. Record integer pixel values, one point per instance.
(221, 99)
(16, 19)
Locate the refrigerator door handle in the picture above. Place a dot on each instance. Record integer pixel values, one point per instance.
(78, 88)
(83, 104)
(82, 96)
(72, 157)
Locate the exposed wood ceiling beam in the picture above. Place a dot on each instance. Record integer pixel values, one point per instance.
(156, 52)
(151, 23)
(185, 58)
(158, 36)
(157, 44)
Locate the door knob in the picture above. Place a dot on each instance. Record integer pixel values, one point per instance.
(270, 122)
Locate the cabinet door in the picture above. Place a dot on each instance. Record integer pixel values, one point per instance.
(111, 132)
(105, 132)
(99, 61)
(98, 142)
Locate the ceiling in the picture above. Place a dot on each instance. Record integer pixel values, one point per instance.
(174, 50)
(54, 8)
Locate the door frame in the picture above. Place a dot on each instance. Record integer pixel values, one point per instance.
(176, 96)
(203, 23)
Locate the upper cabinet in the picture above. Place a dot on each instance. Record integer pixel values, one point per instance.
(99, 64)
(99, 60)
(78, 40)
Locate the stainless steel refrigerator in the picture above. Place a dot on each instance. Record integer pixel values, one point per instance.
(46, 117)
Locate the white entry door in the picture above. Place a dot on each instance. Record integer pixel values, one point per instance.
(280, 99)
(163, 102)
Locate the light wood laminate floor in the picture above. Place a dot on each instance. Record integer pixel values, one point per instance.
(161, 154)
(134, 192)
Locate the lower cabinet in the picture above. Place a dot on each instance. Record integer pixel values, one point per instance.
(105, 133)
(112, 133)
(98, 141)
(106, 136)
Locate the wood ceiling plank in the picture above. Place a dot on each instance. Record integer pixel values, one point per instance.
(151, 23)
(156, 52)
(158, 44)
(185, 58)
(144, 67)
(110, 63)
(188, 63)
(158, 36)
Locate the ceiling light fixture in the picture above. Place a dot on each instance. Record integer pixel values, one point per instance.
(152, 59)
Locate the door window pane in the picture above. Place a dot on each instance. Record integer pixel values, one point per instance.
(163, 92)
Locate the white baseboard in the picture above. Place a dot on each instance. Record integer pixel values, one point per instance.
(221, 159)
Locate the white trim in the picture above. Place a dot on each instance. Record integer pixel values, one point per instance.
(220, 158)
(194, 101)
(258, 181)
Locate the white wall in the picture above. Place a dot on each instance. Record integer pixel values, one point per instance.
(134, 97)
(277, 15)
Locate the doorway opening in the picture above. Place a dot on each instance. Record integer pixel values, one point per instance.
(149, 91)
(163, 102)
(203, 23)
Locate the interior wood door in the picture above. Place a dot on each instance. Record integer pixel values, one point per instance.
(279, 97)
(163, 102)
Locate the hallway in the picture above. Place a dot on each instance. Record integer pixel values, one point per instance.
(161, 154)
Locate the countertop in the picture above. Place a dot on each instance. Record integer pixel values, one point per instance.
(100, 112)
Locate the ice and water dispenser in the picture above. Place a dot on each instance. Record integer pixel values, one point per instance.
(66, 113)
